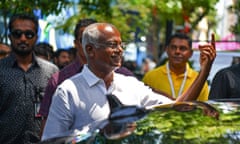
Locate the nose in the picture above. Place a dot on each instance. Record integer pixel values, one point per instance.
(23, 37)
(119, 48)
(177, 50)
(67, 59)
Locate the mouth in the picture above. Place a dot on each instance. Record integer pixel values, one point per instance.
(177, 59)
(117, 59)
(22, 46)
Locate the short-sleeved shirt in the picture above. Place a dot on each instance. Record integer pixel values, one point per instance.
(18, 90)
(226, 83)
(80, 103)
(158, 79)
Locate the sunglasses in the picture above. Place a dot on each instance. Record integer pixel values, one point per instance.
(18, 33)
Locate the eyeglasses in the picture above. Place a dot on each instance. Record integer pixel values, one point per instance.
(18, 33)
(113, 45)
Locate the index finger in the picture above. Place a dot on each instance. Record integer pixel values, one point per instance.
(213, 41)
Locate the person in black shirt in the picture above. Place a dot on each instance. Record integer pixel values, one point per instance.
(226, 83)
(23, 78)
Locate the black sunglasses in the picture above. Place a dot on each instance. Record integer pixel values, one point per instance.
(18, 33)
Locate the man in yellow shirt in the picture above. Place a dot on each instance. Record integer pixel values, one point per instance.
(175, 76)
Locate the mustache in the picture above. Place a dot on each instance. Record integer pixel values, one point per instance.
(22, 44)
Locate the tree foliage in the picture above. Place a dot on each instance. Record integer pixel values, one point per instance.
(138, 18)
(10, 7)
(134, 18)
(16, 6)
(236, 10)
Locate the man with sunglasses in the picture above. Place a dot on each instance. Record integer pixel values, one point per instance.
(23, 77)
(80, 103)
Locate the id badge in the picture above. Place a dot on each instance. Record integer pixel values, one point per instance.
(36, 110)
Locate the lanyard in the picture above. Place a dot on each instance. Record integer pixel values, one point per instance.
(171, 82)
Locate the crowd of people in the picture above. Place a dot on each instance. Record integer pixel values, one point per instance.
(46, 94)
(61, 57)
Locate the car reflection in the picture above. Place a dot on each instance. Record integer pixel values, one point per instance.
(213, 122)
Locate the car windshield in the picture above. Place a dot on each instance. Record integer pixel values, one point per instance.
(170, 126)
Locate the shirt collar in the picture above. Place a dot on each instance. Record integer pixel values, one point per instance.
(13, 62)
(188, 70)
(89, 76)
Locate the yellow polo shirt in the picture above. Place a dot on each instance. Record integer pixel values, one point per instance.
(158, 79)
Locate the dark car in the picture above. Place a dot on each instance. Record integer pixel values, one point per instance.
(213, 122)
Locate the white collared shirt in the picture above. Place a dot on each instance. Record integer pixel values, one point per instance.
(80, 103)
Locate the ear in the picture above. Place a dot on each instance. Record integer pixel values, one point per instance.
(90, 50)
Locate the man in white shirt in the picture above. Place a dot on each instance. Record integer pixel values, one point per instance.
(80, 104)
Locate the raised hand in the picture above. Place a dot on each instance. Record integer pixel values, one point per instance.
(207, 54)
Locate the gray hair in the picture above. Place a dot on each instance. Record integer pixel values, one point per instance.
(91, 35)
